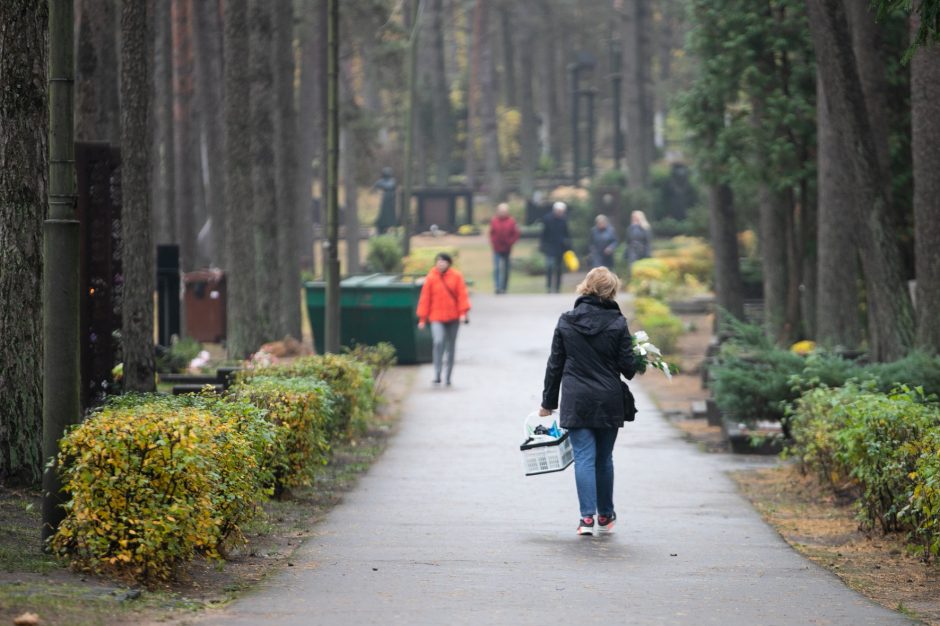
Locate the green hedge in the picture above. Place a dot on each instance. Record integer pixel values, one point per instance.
(884, 445)
(155, 479)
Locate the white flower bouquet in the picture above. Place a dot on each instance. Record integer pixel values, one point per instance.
(647, 355)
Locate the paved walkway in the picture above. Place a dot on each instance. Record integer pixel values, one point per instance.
(445, 529)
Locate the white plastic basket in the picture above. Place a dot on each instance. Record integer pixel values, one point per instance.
(542, 454)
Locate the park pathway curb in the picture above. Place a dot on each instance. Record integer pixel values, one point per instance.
(445, 529)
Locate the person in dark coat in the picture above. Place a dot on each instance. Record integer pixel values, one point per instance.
(591, 348)
(603, 243)
(555, 241)
(387, 185)
(639, 239)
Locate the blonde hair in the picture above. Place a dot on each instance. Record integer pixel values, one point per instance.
(639, 217)
(600, 282)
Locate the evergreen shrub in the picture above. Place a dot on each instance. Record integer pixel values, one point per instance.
(385, 254)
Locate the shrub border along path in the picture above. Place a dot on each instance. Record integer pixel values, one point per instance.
(32, 581)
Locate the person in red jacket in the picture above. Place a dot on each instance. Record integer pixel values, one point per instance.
(444, 303)
(503, 234)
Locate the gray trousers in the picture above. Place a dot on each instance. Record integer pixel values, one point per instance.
(444, 336)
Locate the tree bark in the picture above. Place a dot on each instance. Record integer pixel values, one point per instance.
(837, 308)
(889, 304)
(23, 180)
(553, 94)
(138, 266)
(348, 152)
(635, 76)
(242, 306)
(925, 148)
(287, 150)
(97, 105)
(442, 124)
(208, 43)
(473, 90)
(263, 177)
(510, 97)
(724, 237)
(528, 140)
(310, 122)
(164, 191)
(185, 160)
(774, 228)
(488, 114)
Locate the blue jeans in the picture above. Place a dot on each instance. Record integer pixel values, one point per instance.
(594, 468)
(500, 271)
(553, 268)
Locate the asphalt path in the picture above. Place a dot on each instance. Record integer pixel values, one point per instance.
(446, 529)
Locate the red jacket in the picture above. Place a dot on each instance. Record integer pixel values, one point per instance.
(503, 233)
(443, 297)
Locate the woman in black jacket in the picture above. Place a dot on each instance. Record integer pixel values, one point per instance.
(591, 348)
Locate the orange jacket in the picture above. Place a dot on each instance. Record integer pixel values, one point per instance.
(443, 297)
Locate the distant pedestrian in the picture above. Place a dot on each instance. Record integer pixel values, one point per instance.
(444, 303)
(504, 232)
(639, 239)
(387, 185)
(603, 243)
(591, 348)
(555, 241)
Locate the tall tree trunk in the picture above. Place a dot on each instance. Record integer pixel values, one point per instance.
(164, 203)
(837, 307)
(208, 40)
(97, 105)
(774, 228)
(634, 85)
(889, 303)
(347, 151)
(506, 28)
(243, 335)
(264, 173)
(553, 92)
(644, 16)
(138, 266)
(724, 237)
(442, 124)
(528, 139)
(925, 148)
(473, 89)
(488, 114)
(185, 138)
(309, 122)
(287, 150)
(23, 179)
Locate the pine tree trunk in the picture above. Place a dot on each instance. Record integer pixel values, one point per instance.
(644, 83)
(242, 308)
(774, 226)
(208, 43)
(925, 129)
(889, 304)
(164, 204)
(634, 86)
(264, 173)
(23, 179)
(440, 96)
(507, 28)
(347, 153)
(310, 118)
(138, 261)
(528, 140)
(552, 113)
(186, 146)
(488, 114)
(724, 238)
(473, 90)
(837, 308)
(97, 105)
(287, 150)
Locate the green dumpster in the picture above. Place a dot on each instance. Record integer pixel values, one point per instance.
(374, 308)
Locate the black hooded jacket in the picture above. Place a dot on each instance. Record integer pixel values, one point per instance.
(591, 348)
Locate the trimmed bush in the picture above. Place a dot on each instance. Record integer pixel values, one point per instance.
(350, 380)
(652, 278)
(664, 331)
(923, 511)
(421, 260)
(303, 411)
(149, 487)
(385, 254)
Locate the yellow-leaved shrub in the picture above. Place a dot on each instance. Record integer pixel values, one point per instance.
(145, 485)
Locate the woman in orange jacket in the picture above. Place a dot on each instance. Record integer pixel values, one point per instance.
(444, 303)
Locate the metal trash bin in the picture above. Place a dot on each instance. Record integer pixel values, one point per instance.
(204, 298)
(374, 308)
